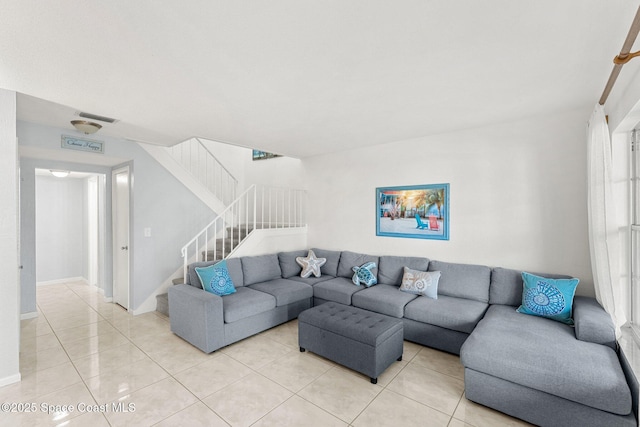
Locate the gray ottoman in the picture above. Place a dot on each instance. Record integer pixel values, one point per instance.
(361, 340)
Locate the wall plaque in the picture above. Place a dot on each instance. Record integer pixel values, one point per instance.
(81, 144)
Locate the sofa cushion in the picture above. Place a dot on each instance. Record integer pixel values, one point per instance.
(457, 314)
(192, 277)
(348, 260)
(391, 268)
(311, 280)
(463, 280)
(545, 355)
(339, 289)
(233, 265)
(215, 279)
(384, 299)
(285, 291)
(592, 323)
(420, 282)
(260, 268)
(550, 298)
(246, 302)
(333, 259)
(506, 285)
(288, 265)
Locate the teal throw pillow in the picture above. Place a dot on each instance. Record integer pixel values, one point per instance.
(550, 298)
(364, 274)
(216, 279)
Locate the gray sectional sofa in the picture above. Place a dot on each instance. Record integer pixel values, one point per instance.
(536, 369)
(263, 299)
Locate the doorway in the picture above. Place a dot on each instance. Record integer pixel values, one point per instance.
(68, 208)
(121, 185)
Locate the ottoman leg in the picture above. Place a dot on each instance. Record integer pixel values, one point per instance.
(302, 350)
(400, 359)
(374, 381)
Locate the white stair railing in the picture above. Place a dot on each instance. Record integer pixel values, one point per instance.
(205, 167)
(259, 207)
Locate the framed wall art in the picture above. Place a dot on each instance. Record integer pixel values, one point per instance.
(414, 211)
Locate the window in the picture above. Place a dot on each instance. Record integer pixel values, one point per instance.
(634, 263)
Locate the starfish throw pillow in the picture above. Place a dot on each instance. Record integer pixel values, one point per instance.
(310, 264)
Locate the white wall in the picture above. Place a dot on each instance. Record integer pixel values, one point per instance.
(518, 195)
(92, 185)
(9, 285)
(232, 157)
(277, 172)
(265, 241)
(60, 228)
(284, 172)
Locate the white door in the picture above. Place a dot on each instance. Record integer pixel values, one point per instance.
(120, 206)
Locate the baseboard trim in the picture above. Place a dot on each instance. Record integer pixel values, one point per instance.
(142, 310)
(30, 315)
(60, 281)
(101, 292)
(10, 379)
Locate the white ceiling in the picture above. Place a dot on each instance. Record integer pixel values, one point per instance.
(303, 78)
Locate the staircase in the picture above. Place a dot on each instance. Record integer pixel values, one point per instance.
(195, 166)
(225, 246)
(258, 208)
(201, 163)
(221, 246)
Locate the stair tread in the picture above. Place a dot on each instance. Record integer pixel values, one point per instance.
(162, 303)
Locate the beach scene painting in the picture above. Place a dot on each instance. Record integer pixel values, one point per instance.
(416, 211)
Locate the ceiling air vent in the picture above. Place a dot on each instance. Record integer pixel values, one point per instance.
(96, 117)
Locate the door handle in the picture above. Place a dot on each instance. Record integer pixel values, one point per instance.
(125, 248)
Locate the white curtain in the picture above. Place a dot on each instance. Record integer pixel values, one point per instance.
(604, 239)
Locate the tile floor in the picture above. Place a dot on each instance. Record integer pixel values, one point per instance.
(116, 369)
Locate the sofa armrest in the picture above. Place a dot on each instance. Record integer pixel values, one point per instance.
(592, 323)
(197, 317)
